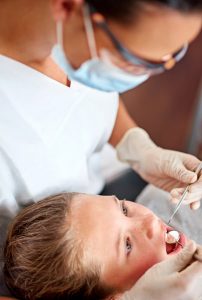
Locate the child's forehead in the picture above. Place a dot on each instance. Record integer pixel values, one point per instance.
(84, 204)
(81, 201)
(90, 213)
(82, 208)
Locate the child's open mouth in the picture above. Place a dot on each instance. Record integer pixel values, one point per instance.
(173, 246)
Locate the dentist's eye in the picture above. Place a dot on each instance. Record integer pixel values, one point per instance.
(128, 246)
(124, 208)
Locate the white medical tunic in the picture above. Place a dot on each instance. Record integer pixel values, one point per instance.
(48, 134)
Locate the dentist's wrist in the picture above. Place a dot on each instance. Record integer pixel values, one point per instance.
(134, 145)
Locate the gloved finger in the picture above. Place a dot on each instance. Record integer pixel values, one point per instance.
(193, 271)
(190, 162)
(168, 184)
(176, 194)
(174, 200)
(182, 174)
(191, 279)
(178, 262)
(171, 183)
(195, 205)
(194, 194)
(198, 253)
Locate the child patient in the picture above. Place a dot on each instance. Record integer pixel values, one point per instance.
(77, 246)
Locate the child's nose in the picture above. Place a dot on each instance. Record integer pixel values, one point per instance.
(147, 225)
(151, 225)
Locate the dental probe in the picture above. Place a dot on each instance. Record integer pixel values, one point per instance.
(198, 169)
(180, 244)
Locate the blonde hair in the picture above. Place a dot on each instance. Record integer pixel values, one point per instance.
(43, 259)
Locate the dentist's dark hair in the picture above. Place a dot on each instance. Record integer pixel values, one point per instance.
(124, 10)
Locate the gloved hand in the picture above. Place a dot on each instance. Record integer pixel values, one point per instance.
(178, 278)
(198, 254)
(193, 197)
(165, 169)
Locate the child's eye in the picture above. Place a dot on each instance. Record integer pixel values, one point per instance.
(124, 208)
(128, 246)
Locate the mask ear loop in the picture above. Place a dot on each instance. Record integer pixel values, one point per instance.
(89, 31)
(59, 33)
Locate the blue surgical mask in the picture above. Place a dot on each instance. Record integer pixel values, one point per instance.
(95, 72)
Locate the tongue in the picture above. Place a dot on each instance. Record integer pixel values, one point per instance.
(170, 248)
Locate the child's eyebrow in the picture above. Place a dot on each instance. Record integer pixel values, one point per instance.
(117, 201)
(118, 240)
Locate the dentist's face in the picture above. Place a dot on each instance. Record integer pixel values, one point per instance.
(155, 33)
(124, 238)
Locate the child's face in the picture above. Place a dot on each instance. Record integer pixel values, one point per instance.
(125, 238)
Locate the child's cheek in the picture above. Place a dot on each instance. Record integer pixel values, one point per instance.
(140, 266)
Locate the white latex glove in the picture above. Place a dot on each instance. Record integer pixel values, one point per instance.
(165, 169)
(194, 196)
(177, 278)
(198, 254)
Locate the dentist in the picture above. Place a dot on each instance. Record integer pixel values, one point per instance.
(62, 65)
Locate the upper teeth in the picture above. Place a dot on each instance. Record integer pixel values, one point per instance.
(172, 237)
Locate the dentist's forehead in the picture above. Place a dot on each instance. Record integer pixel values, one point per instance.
(158, 31)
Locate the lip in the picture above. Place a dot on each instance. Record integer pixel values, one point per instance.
(182, 240)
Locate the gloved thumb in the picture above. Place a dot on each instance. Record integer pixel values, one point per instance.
(195, 205)
(178, 262)
(183, 175)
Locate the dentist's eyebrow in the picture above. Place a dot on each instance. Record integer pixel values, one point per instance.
(118, 240)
